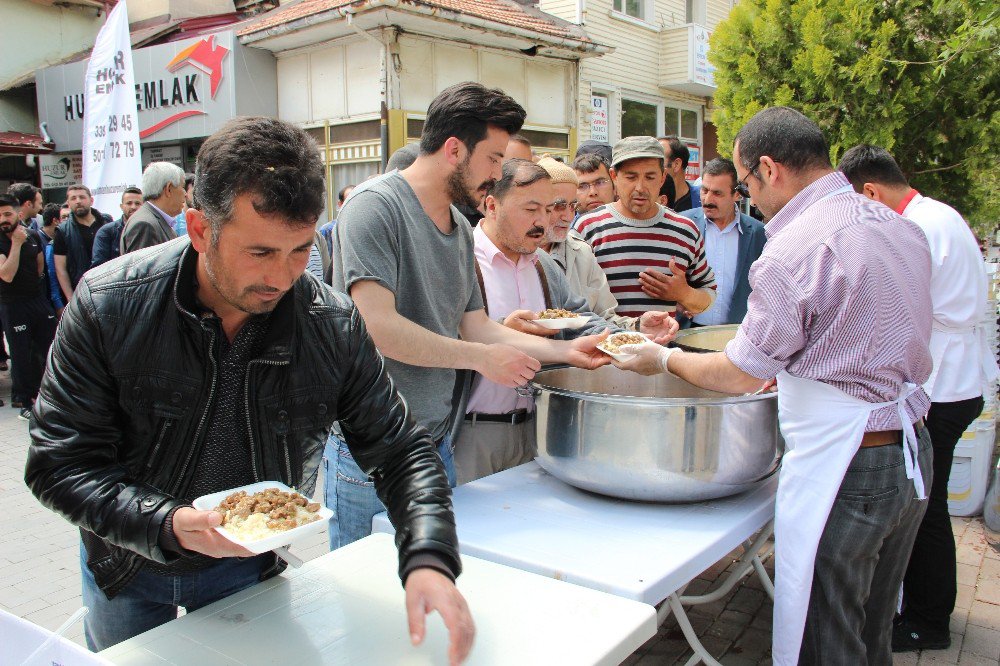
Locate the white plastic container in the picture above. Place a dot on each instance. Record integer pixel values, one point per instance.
(970, 471)
(288, 537)
(19, 639)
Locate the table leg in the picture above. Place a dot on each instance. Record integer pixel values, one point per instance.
(749, 561)
(700, 653)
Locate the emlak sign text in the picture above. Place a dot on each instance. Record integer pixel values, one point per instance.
(185, 89)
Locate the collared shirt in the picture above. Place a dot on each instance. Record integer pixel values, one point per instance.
(722, 250)
(508, 287)
(841, 295)
(958, 293)
(166, 218)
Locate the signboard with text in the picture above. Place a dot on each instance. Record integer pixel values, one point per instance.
(60, 170)
(599, 128)
(182, 90)
(172, 154)
(693, 170)
(702, 71)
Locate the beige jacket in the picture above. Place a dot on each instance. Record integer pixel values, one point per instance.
(587, 279)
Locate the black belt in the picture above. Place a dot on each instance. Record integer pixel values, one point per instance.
(513, 418)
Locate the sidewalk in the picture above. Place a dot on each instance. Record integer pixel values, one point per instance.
(40, 580)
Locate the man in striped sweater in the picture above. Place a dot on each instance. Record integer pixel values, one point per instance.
(654, 259)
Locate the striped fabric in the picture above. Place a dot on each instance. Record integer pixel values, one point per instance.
(841, 295)
(624, 247)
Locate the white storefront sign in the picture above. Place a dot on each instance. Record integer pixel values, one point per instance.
(111, 158)
(599, 130)
(702, 71)
(61, 170)
(172, 154)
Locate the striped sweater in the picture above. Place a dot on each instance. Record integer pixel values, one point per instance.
(624, 247)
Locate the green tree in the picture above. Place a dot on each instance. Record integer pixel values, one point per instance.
(919, 77)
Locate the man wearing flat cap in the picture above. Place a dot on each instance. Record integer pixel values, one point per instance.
(653, 258)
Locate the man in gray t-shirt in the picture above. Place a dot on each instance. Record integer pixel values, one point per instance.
(404, 254)
(384, 235)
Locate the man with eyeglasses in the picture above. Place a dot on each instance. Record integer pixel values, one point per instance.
(517, 282)
(594, 187)
(733, 241)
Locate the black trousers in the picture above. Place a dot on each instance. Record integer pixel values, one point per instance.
(929, 586)
(30, 326)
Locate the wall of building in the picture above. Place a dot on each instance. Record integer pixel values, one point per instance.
(17, 110)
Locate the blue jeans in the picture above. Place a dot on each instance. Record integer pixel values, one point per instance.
(350, 494)
(150, 600)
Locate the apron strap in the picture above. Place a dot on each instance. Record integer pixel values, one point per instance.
(911, 445)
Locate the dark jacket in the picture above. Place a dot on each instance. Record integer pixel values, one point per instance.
(752, 239)
(145, 228)
(106, 242)
(123, 407)
(78, 256)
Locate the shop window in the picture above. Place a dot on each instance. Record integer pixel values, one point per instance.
(638, 118)
(633, 8)
(414, 128)
(680, 122)
(364, 131)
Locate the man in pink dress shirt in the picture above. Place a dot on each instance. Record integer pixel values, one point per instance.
(517, 283)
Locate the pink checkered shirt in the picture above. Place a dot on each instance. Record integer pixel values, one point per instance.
(841, 294)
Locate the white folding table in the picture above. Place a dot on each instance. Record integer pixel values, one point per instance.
(347, 607)
(527, 519)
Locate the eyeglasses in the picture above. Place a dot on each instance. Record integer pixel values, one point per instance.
(561, 206)
(741, 185)
(599, 183)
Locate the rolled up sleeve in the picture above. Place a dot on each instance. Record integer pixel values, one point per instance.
(773, 331)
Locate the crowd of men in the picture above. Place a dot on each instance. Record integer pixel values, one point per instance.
(45, 248)
(224, 359)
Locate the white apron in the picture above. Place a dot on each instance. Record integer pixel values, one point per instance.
(822, 427)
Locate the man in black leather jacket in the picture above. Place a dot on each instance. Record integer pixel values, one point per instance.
(210, 362)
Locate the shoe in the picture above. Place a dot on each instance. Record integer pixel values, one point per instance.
(908, 637)
(25, 414)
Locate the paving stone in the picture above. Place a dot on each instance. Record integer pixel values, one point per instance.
(723, 629)
(905, 658)
(959, 618)
(747, 600)
(949, 656)
(966, 594)
(967, 574)
(973, 660)
(754, 644)
(982, 642)
(984, 614)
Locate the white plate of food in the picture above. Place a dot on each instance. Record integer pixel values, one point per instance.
(265, 516)
(558, 319)
(615, 340)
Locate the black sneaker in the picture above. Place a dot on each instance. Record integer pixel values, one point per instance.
(25, 414)
(908, 637)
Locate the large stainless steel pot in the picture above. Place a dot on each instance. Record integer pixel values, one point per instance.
(652, 438)
(706, 338)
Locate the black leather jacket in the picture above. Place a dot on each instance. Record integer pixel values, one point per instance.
(123, 406)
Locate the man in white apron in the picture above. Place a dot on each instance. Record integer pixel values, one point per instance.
(964, 366)
(840, 313)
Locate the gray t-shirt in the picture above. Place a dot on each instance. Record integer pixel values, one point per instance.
(383, 234)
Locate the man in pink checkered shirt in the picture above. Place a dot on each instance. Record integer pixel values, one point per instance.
(840, 312)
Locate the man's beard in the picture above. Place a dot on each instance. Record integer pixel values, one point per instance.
(241, 302)
(458, 187)
(85, 213)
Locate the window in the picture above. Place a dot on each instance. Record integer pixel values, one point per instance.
(680, 122)
(633, 8)
(638, 118)
(694, 11)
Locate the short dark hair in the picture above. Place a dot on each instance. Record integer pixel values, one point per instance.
(784, 135)
(720, 166)
(871, 164)
(131, 190)
(188, 180)
(343, 192)
(669, 190)
(79, 187)
(678, 151)
(50, 213)
(589, 163)
(465, 111)
(517, 173)
(8, 200)
(23, 193)
(273, 161)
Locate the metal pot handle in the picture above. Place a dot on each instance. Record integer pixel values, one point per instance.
(528, 391)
